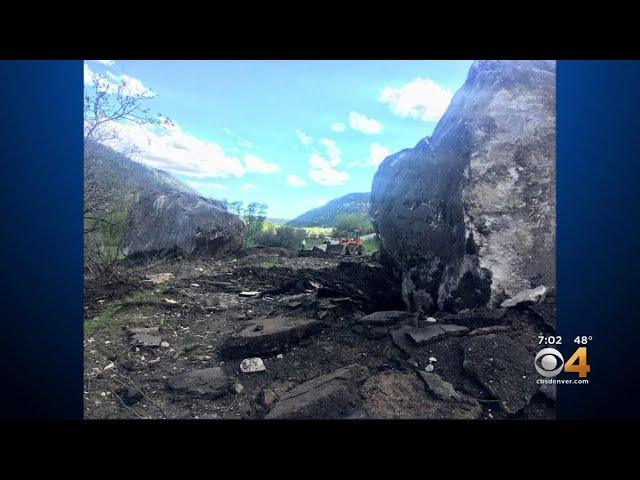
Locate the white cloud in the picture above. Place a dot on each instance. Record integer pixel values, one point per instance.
(132, 86)
(170, 148)
(255, 164)
(422, 99)
(338, 127)
(362, 123)
(249, 186)
(332, 151)
(243, 142)
(377, 153)
(304, 138)
(108, 63)
(207, 186)
(88, 75)
(322, 168)
(322, 171)
(295, 181)
(129, 86)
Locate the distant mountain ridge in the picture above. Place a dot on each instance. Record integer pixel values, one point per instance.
(110, 177)
(278, 221)
(326, 215)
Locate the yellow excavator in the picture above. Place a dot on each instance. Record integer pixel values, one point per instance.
(352, 243)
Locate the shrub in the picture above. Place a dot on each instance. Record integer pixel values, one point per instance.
(283, 236)
(350, 222)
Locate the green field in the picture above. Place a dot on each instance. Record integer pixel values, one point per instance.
(371, 245)
(320, 231)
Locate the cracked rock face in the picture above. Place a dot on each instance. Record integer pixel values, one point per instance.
(467, 216)
(180, 223)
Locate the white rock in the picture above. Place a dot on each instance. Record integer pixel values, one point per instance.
(91, 340)
(252, 365)
(237, 388)
(249, 294)
(526, 297)
(164, 344)
(195, 285)
(431, 320)
(110, 366)
(279, 356)
(432, 359)
(429, 368)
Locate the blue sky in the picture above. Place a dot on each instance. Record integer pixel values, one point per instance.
(292, 134)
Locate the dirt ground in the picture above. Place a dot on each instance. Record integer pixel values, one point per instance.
(175, 317)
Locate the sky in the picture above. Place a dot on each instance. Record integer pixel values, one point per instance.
(291, 134)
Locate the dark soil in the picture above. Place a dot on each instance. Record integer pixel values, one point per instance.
(206, 302)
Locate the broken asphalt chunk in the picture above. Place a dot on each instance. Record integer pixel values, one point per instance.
(444, 390)
(432, 333)
(390, 317)
(393, 394)
(475, 317)
(401, 339)
(208, 383)
(329, 396)
(488, 330)
(277, 335)
(145, 340)
(504, 367)
(454, 330)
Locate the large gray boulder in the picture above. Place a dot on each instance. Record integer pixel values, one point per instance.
(467, 216)
(180, 223)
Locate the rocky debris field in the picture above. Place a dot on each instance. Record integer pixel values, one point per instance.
(274, 335)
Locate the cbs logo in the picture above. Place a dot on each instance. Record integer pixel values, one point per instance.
(549, 362)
